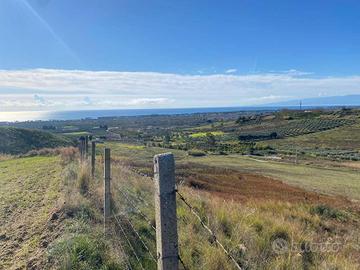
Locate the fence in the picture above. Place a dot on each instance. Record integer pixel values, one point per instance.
(166, 193)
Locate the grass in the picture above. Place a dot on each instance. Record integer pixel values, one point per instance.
(30, 190)
(248, 229)
(34, 186)
(19, 140)
(344, 138)
(83, 179)
(45, 221)
(204, 134)
(334, 181)
(76, 133)
(327, 180)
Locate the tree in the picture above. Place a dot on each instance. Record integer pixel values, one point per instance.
(210, 139)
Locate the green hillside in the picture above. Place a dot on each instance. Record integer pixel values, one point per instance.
(19, 140)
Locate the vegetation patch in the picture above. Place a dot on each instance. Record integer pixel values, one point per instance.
(329, 212)
(196, 153)
(82, 252)
(204, 134)
(19, 140)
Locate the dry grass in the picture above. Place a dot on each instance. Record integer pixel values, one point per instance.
(83, 179)
(5, 157)
(247, 229)
(82, 245)
(67, 154)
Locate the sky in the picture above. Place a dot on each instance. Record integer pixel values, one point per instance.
(92, 54)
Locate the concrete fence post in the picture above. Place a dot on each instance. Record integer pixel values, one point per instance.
(93, 156)
(107, 178)
(165, 211)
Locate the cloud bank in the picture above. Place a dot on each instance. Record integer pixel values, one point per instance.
(49, 89)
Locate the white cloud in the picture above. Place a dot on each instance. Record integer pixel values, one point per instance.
(40, 100)
(150, 101)
(48, 89)
(231, 70)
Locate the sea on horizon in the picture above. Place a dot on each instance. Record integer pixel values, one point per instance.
(83, 114)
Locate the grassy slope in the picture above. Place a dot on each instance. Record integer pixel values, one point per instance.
(340, 181)
(30, 188)
(248, 229)
(340, 138)
(46, 222)
(18, 140)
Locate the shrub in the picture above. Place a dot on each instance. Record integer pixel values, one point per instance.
(196, 153)
(70, 174)
(5, 157)
(328, 212)
(83, 179)
(68, 154)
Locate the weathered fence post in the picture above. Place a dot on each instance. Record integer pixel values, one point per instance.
(165, 208)
(82, 148)
(93, 151)
(107, 177)
(86, 146)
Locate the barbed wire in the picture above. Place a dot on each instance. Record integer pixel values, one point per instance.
(140, 238)
(192, 209)
(137, 197)
(146, 218)
(127, 239)
(137, 209)
(182, 262)
(123, 252)
(194, 212)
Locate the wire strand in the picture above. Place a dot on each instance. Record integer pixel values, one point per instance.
(208, 229)
(127, 239)
(138, 210)
(182, 263)
(123, 252)
(140, 238)
(141, 200)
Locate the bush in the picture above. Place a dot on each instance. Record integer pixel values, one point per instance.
(328, 212)
(196, 153)
(68, 154)
(84, 179)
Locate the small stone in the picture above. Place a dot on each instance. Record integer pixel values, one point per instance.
(54, 216)
(3, 237)
(44, 244)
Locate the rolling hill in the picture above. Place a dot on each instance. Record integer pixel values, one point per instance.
(19, 140)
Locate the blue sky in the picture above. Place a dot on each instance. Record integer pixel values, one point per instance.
(66, 54)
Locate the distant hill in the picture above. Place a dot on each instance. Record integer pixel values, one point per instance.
(350, 100)
(19, 140)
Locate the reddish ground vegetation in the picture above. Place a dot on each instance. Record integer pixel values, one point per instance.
(243, 186)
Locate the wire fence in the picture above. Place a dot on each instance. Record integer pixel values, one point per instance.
(132, 238)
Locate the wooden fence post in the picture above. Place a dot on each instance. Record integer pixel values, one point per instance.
(82, 148)
(165, 211)
(93, 154)
(107, 177)
(86, 146)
